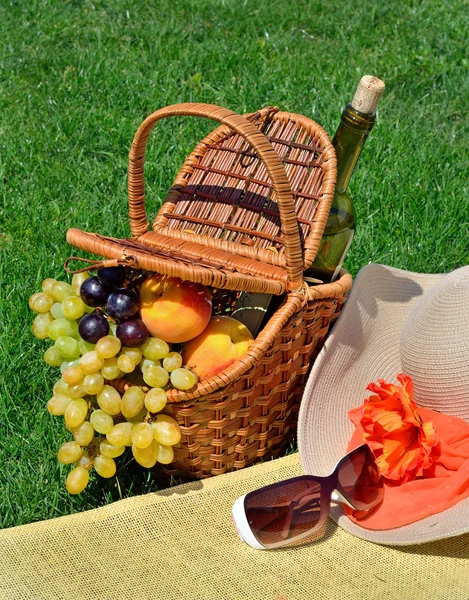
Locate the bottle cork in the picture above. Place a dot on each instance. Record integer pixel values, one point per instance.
(368, 94)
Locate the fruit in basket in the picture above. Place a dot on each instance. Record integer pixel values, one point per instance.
(40, 303)
(122, 304)
(166, 431)
(222, 342)
(183, 379)
(93, 292)
(93, 327)
(77, 480)
(94, 345)
(174, 310)
(73, 307)
(112, 277)
(60, 327)
(132, 333)
(40, 326)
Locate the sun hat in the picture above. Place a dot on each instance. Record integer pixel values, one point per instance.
(394, 321)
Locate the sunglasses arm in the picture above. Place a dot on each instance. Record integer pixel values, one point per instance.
(242, 526)
(337, 497)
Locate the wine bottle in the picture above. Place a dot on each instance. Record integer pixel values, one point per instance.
(356, 123)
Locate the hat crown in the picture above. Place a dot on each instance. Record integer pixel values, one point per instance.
(434, 347)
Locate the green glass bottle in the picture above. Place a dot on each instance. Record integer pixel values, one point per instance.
(356, 123)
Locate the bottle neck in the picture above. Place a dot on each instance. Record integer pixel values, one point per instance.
(348, 143)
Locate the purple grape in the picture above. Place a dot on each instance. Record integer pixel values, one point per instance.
(122, 304)
(132, 333)
(93, 327)
(93, 293)
(112, 277)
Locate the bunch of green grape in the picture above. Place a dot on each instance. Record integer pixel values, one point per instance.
(89, 347)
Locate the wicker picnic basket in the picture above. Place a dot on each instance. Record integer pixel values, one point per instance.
(246, 213)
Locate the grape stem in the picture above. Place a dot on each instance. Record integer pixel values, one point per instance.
(93, 265)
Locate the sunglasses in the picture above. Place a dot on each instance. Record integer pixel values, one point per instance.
(283, 513)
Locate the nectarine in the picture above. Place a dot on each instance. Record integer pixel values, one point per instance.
(222, 342)
(174, 310)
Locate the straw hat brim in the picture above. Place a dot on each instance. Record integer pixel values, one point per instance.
(363, 347)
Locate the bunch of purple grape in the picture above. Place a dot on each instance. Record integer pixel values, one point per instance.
(108, 293)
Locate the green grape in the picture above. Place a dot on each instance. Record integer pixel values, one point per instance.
(156, 376)
(52, 357)
(40, 303)
(104, 466)
(147, 362)
(110, 370)
(76, 412)
(134, 353)
(72, 375)
(165, 454)
(85, 346)
(61, 290)
(41, 325)
(109, 400)
(154, 348)
(91, 363)
(77, 391)
(166, 430)
(84, 433)
(68, 363)
(67, 347)
(155, 400)
(69, 452)
(172, 361)
(60, 387)
(47, 286)
(58, 403)
(139, 417)
(77, 280)
(32, 299)
(125, 363)
(109, 450)
(121, 434)
(84, 461)
(93, 384)
(62, 327)
(73, 307)
(142, 435)
(77, 480)
(101, 421)
(145, 456)
(183, 379)
(108, 346)
(56, 311)
(132, 402)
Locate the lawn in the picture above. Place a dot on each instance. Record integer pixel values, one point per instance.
(78, 77)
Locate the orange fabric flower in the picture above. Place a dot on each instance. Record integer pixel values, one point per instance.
(403, 445)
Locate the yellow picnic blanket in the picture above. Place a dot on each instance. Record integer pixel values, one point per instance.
(180, 544)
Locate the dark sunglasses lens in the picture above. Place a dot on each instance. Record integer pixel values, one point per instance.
(283, 511)
(359, 479)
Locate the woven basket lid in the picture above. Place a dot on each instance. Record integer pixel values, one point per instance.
(247, 210)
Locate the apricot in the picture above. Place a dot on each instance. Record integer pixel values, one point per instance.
(222, 342)
(174, 310)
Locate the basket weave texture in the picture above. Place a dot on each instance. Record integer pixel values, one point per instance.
(246, 212)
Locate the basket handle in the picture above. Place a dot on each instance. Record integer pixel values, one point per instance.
(136, 186)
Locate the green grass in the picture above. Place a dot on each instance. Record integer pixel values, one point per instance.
(78, 77)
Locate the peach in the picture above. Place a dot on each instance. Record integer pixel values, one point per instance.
(222, 342)
(174, 310)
